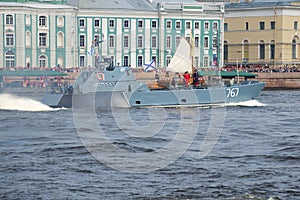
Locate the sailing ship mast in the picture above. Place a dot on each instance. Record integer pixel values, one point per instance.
(192, 43)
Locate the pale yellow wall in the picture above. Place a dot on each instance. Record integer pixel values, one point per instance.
(282, 35)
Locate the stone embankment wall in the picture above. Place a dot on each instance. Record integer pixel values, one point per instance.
(289, 80)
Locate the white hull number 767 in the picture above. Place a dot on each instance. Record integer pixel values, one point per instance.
(233, 92)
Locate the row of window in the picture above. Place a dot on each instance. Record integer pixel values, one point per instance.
(261, 26)
(10, 60)
(126, 40)
(140, 24)
(111, 23)
(42, 40)
(154, 41)
(9, 20)
(262, 50)
(140, 60)
(154, 24)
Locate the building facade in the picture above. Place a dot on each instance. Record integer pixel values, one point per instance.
(262, 33)
(36, 35)
(129, 32)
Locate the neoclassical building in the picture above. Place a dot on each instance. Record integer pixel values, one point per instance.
(36, 34)
(262, 33)
(72, 33)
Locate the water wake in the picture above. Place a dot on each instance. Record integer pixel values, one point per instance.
(12, 102)
(250, 103)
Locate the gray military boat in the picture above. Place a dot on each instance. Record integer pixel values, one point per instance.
(118, 87)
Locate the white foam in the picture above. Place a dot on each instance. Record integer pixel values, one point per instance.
(250, 103)
(13, 102)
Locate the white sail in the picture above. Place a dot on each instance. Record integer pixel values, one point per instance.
(181, 61)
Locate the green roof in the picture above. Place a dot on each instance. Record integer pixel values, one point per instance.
(226, 74)
(31, 73)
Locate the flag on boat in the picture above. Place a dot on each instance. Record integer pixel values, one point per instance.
(151, 66)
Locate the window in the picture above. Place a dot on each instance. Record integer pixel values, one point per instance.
(140, 61)
(247, 26)
(111, 23)
(154, 59)
(42, 21)
(28, 39)
(153, 42)
(60, 21)
(178, 25)
(168, 42)
(42, 39)
(246, 49)
(126, 41)
(215, 25)
(140, 24)
(28, 20)
(178, 38)
(188, 25)
(126, 23)
(97, 23)
(154, 24)
(81, 22)
(168, 60)
(197, 25)
(111, 41)
(82, 61)
(97, 40)
(169, 24)
(9, 20)
(225, 26)
(188, 39)
(206, 42)
(206, 26)
(140, 41)
(82, 40)
(125, 61)
(272, 50)
(196, 61)
(205, 61)
(294, 49)
(226, 51)
(272, 25)
(60, 40)
(9, 59)
(262, 50)
(42, 61)
(60, 62)
(295, 25)
(262, 25)
(9, 39)
(196, 41)
(215, 42)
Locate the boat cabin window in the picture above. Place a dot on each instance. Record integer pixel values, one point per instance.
(110, 68)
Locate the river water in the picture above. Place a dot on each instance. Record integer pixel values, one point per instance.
(248, 151)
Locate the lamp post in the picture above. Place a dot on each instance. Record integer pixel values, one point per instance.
(237, 66)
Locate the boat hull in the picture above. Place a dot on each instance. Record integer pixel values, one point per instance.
(217, 95)
(58, 100)
(184, 97)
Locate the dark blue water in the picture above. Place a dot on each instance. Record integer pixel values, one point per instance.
(256, 155)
